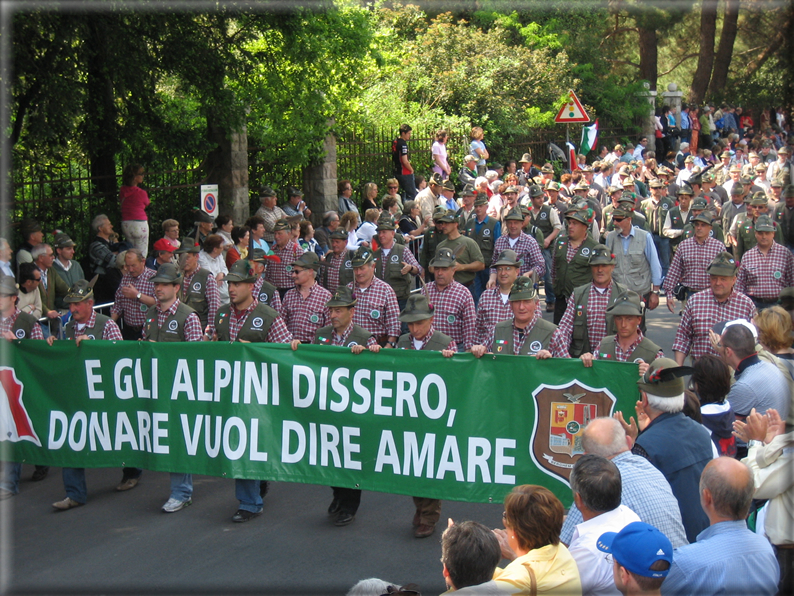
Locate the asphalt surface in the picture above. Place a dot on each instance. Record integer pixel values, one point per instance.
(123, 543)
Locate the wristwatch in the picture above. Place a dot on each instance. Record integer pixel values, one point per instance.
(138, 297)
(393, 344)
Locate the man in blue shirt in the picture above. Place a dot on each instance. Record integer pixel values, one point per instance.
(727, 558)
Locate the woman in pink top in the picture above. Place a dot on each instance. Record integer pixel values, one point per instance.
(134, 200)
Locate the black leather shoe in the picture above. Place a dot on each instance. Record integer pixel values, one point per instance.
(40, 473)
(344, 519)
(241, 515)
(264, 486)
(334, 507)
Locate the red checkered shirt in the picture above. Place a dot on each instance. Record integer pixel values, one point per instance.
(376, 309)
(454, 312)
(211, 294)
(763, 276)
(411, 346)
(527, 251)
(111, 332)
(132, 311)
(597, 303)
(490, 311)
(690, 263)
(7, 324)
(275, 301)
(701, 313)
(277, 334)
(334, 262)
(341, 340)
(622, 355)
(304, 316)
(193, 330)
(277, 273)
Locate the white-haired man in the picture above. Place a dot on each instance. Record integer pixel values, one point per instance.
(676, 445)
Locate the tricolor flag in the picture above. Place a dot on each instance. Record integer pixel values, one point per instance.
(589, 138)
(15, 422)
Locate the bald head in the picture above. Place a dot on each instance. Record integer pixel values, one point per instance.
(604, 437)
(730, 488)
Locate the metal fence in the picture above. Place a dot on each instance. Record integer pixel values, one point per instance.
(64, 197)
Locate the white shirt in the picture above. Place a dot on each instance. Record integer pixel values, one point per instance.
(216, 266)
(594, 569)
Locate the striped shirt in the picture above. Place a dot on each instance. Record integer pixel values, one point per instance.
(271, 216)
(132, 311)
(304, 316)
(762, 276)
(690, 263)
(701, 313)
(454, 312)
(333, 262)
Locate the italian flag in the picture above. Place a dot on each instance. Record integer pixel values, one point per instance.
(589, 138)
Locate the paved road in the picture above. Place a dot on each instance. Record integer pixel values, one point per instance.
(121, 542)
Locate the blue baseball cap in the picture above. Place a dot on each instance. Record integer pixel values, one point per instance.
(638, 546)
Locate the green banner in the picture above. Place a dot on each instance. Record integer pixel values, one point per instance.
(400, 421)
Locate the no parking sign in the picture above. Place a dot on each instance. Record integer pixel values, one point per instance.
(209, 199)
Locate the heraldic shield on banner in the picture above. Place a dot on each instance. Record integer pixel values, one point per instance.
(562, 412)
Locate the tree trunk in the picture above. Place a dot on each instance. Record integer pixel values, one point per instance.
(708, 29)
(722, 60)
(227, 166)
(101, 133)
(648, 56)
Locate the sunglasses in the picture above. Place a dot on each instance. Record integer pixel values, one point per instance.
(618, 219)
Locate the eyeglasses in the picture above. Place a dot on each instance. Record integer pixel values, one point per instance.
(618, 219)
(296, 271)
(36, 279)
(392, 187)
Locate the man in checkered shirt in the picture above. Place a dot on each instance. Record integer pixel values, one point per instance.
(377, 310)
(134, 295)
(172, 321)
(452, 301)
(337, 268)
(304, 308)
(692, 258)
(720, 302)
(494, 306)
(264, 291)
(525, 247)
(585, 323)
(287, 250)
(269, 212)
(246, 320)
(766, 268)
(199, 288)
(15, 324)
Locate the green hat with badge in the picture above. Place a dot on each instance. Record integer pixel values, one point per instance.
(514, 214)
(613, 189)
(703, 217)
(627, 199)
(601, 255)
(526, 158)
(686, 190)
(523, 289)
(759, 199)
(362, 256)
(259, 255)
(417, 308)
(440, 212)
(764, 223)
(699, 204)
(580, 215)
(552, 185)
(482, 199)
(447, 217)
(338, 234)
(468, 191)
(62, 241)
(627, 303)
(547, 169)
(168, 273)
(507, 258)
(621, 212)
(386, 223)
(241, 272)
(444, 258)
(201, 216)
(737, 189)
(656, 183)
(8, 286)
(343, 297)
(664, 378)
(723, 264)
(436, 179)
(583, 185)
(535, 191)
(281, 225)
(788, 191)
(448, 185)
(308, 260)
(778, 183)
(188, 246)
(81, 290)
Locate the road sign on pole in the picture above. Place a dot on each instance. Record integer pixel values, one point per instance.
(209, 199)
(572, 111)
